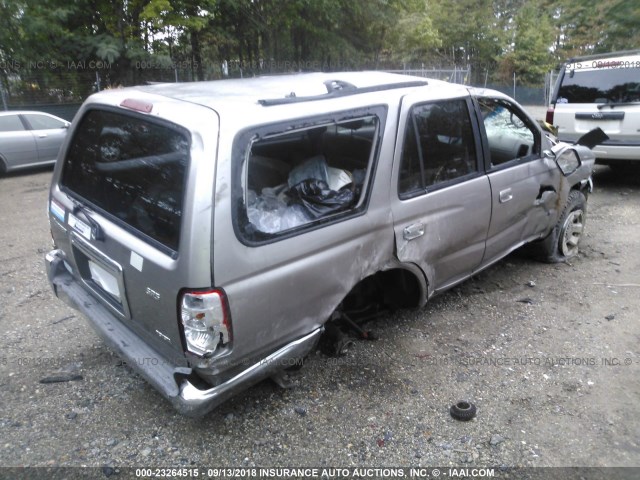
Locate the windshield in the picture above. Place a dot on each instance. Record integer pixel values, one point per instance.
(607, 85)
(131, 169)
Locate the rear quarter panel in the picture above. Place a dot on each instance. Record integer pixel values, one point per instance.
(282, 290)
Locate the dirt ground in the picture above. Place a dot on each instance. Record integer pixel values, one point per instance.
(549, 354)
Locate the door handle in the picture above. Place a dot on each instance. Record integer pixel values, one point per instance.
(505, 195)
(413, 231)
(42, 135)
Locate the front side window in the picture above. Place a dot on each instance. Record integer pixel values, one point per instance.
(300, 177)
(509, 132)
(132, 169)
(438, 148)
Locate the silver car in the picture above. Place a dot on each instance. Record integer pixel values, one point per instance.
(211, 232)
(29, 139)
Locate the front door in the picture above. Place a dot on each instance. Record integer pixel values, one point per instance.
(524, 186)
(49, 133)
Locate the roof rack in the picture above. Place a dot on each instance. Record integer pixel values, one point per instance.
(596, 56)
(339, 88)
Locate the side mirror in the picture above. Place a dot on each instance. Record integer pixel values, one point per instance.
(568, 161)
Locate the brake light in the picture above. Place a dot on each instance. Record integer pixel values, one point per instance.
(138, 105)
(549, 117)
(206, 323)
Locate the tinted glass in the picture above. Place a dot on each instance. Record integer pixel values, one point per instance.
(10, 123)
(601, 86)
(132, 169)
(42, 122)
(439, 146)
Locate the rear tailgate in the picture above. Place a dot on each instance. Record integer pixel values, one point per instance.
(620, 123)
(600, 93)
(118, 210)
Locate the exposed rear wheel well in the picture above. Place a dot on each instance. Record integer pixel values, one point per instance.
(393, 289)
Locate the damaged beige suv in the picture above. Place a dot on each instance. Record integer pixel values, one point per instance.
(211, 232)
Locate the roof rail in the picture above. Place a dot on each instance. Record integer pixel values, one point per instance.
(338, 88)
(596, 56)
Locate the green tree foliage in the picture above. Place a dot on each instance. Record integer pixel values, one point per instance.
(414, 35)
(584, 28)
(529, 56)
(150, 40)
(470, 34)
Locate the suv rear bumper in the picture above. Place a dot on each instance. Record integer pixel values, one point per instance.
(617, 152)
(612, 151)
(170, 380)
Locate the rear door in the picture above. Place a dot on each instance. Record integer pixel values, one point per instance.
(48, 132)
(524, 186)
(441, 201)
(17, 145)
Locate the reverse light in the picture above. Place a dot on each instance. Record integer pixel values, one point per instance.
(205, 321)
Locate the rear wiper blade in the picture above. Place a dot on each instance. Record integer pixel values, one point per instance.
(96, 230)
(616, 104)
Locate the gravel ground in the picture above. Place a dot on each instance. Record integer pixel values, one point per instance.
(549, 354)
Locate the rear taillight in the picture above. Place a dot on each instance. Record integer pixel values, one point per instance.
(207, 325)
(549, 117)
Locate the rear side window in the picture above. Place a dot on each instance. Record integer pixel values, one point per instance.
(301, 177)
(131, 169)
(42, 122)
(438, 147)
(606, 85)
(10, 123)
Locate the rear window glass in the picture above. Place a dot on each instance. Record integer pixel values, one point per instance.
(131, 169)
(607, 85)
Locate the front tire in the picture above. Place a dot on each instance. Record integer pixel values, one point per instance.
(563, 241)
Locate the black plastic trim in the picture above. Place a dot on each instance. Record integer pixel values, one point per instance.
(347, 90)
(599, 116)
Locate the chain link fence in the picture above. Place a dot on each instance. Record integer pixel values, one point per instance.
(537, 95)
(452, 75)
(61, 89)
